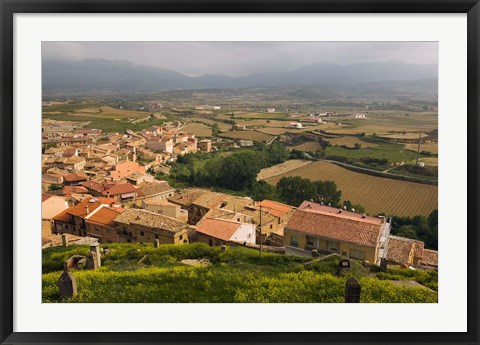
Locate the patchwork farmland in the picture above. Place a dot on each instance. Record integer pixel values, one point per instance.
(376, 194)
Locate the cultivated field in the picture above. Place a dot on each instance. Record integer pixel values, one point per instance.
(282, 168)
(350, 142)
(433, 162)
(273, 130)
(106, 111)
(433, 148)
(309, 146)
(384, 124)
(199, 129)
(248, 135)
(413, 135)
(376, 194)
(224, 127)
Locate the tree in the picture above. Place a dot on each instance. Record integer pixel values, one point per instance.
(357, 146)
(327, 192)
(239, 171)
(277, 153)
(294, 190)
(262, 190)
(215, 130)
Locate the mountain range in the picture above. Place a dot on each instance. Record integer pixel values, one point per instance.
(100, 75)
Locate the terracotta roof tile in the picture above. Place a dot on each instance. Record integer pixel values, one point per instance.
(400, 250)
(275, 208)
(150, 220)
(105, 216)
(430, 258)
(308, 205)
(331, 226)
(218, 228)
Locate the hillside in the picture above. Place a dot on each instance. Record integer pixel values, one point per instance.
(136, 273)
(100, 75)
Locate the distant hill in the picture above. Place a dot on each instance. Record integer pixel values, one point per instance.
(99, 75)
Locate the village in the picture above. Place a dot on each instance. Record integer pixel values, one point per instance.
(101, 188)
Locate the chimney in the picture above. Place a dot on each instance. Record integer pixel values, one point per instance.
(86, 209)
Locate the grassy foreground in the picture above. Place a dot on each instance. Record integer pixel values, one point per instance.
(144, 274)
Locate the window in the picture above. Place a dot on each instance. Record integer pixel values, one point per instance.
(181, 236)
(249, 236)
(109, 231)
(294, 241)
(271, 226)
(357, 254)
(156, 236)
(142, 233)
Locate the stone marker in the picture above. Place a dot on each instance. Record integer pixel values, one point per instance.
(352, 290)
(67, 285)
(95, 248)
(92, 261)
(314, 253)
(223, 248)
(343, 266)
(64, 240)
(383, 265)
(156, 243)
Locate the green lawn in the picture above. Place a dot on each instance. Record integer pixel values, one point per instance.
(239, 275)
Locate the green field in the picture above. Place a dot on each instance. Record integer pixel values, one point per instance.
(106, 124)
(240, 275)
(392, 152)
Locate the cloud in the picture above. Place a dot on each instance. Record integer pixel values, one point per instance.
(242, 58)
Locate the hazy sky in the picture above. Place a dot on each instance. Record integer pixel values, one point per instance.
(242, 58)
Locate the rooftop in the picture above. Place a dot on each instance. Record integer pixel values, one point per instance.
(341, 213)
(335, 227)
(150, 220)
(218, 228)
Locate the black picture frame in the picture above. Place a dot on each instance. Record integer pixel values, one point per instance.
(10, 7)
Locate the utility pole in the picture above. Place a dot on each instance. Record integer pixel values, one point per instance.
(260, 228)
(418, 149)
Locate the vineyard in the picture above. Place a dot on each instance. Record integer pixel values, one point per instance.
(376, 194)
(247, 135)
(199, 129)
(350, 142)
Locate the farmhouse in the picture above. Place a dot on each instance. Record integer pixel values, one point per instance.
(270, 110)
(135, 225)
(297, 125)
(359, 116)
(331, 230)
(205, 145)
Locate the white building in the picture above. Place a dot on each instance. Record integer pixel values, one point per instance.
(297, 125)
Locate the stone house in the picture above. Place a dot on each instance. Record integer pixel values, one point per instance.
(330, 230)
(142, 226)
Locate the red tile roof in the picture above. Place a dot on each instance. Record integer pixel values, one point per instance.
(275, 208)
(74, 189)
(335, 227)
(105, 216)
(218, 228)
(400, 250)
(75, 177)
(308, 205)
(430, 258)
(123, 188)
